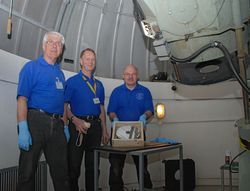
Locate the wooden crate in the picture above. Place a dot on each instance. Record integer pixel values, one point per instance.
(128, 134)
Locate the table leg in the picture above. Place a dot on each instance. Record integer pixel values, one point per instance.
(222, 179)
(230, 180)
(96, 154)
(181, 167)
(141, 172)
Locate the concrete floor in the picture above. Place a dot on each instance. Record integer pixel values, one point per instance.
(198, 188)
(214, 188)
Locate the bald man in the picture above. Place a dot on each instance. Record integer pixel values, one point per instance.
(129, 102)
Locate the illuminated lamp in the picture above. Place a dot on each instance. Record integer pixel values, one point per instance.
(160, 110)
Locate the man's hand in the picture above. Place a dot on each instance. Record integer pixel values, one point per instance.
(24, 137)
(105, 137)
(66, 132)
(114, 119)
(81, 125)
(143, 119)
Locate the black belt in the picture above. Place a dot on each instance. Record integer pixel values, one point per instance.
(52, 115)
(89, 117)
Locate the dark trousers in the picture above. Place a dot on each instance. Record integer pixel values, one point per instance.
(116, 170)
(117, 162)
(47, 136)
(75, 154)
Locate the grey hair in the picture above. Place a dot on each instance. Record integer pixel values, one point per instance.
(131, 65)
(45, 38)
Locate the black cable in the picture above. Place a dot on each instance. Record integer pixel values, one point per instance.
(194, 55)
(226, 53)
(232, 67)
(231, 163)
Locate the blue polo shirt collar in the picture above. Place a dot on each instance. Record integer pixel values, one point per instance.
(137, 87)
(89, 79)
(82, 74)
(42, 61)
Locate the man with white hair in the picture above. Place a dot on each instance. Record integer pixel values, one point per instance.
(40, 107)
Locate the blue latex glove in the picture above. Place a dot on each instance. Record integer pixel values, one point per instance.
(66, 132)
(114, 119)
(24, 137)
(143, 119)
(163, 140)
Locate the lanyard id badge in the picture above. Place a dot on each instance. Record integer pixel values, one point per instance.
(59, 84)
(96, 100)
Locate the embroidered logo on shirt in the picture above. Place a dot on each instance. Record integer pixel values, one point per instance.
(139, 96)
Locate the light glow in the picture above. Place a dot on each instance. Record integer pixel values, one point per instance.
(160, 110)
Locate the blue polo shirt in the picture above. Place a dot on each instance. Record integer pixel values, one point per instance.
(128, 104)
(80, 96)
(43, 86)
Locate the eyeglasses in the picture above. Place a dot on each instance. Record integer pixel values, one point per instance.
(54, 43)
(128, 75)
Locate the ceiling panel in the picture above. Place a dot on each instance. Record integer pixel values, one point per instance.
(107, 26)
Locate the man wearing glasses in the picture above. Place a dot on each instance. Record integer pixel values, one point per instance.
(129, 102)
(40, 107)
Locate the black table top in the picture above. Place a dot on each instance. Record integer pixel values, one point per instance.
(147, 145)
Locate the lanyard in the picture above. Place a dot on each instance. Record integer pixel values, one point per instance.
(93, 89)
